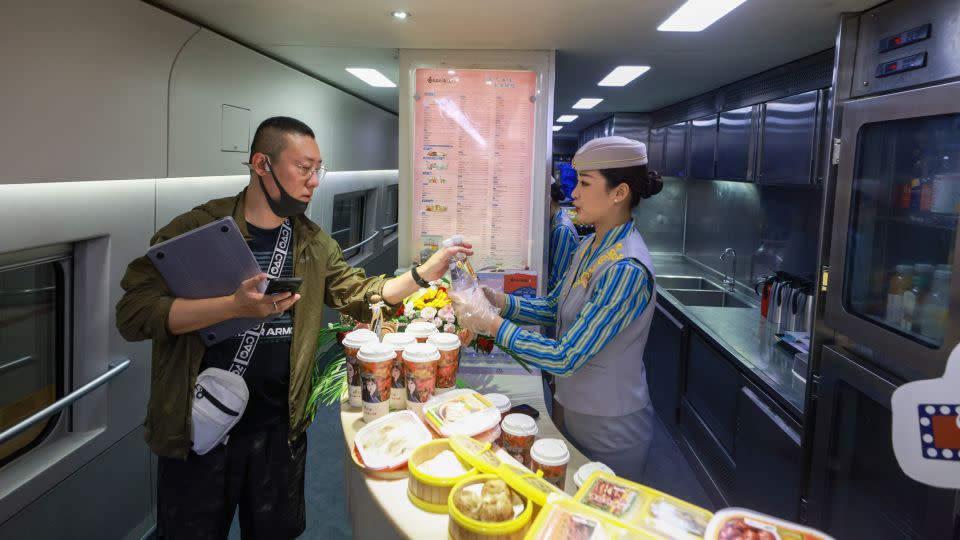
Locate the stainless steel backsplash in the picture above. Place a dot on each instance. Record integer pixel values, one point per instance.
(771, 228)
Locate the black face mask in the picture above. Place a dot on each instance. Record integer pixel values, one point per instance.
(287, 206)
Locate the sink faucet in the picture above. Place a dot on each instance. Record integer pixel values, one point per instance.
(730, 281)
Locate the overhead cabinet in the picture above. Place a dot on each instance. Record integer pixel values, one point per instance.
(703, 146)
(675, 151)
(735, 144)
(655, 151)
(788, 133)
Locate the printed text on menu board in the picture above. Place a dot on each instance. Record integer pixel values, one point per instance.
(472, 172)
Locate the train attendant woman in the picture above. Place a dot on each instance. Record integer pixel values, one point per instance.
(602, 309)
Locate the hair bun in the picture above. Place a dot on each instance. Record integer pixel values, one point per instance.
(654, 185)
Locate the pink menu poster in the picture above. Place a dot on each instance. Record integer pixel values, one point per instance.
(473, 162)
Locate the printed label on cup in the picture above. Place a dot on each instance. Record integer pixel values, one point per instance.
(421, 379)
(375, 388)
(353, 376)
(447, 369)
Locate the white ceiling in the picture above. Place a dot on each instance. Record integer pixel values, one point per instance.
(591, 38)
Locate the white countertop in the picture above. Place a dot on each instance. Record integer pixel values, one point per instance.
(370, 500)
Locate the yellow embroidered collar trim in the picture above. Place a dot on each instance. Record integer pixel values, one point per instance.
(612, 255)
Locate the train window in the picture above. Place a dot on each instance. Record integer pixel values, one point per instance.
(348, 218)
(392, 209)
(32, 348)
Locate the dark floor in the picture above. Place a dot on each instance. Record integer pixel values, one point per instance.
(667, 470)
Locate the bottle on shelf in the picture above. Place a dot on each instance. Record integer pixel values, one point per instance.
(933, 315)
(913, 298)
(900, 283)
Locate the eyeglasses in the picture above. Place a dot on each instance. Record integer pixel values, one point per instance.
(307, 172)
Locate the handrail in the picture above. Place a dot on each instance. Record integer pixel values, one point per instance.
(63, 402)
(389, 227)
(361, 244)
(15, 363)
(341, 231)
(28, 291)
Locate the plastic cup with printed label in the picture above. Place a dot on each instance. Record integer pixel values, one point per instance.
(351, 346)
(449, 347)
(551, 456)
(376, 362)
(501, 402)
(585, 470)
(420, 372)
(519, 433)
(421, 330)
(399, 341)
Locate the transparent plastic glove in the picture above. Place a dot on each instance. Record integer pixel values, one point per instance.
(475, 312)
(496, 298)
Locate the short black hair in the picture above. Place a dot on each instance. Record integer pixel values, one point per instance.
(269, 138)
(643, 183)
(556, 193)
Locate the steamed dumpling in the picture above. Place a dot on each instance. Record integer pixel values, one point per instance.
(467, 502)
(496, 508)
(495, 487)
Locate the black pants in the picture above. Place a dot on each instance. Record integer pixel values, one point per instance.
(260, 472)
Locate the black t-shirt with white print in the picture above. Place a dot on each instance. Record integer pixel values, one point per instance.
(268, 373)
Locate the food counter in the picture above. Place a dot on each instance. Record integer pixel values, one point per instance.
(381, 509)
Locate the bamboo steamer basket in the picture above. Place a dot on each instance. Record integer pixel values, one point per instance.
(464, 528)
(427, 492)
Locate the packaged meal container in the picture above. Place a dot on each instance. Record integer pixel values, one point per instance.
(398, 390)
(565, 519)
(387, 442)
(644, 508)
(463, 412)
(740, 523)
(351, 346)
(434, 469)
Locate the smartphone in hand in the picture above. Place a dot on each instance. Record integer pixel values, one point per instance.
(282, 285)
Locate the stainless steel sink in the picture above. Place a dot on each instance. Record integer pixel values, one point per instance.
(686, 282)
(707, 298)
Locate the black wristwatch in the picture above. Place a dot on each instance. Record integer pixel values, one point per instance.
(416, 277)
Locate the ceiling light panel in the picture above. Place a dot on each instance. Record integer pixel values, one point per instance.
(587, 103)
(567, 118)
(623, 75)
(697, 15)
(400, 14)
(372, 77)
(557, 128)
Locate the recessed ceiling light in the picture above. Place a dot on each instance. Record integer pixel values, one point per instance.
(557, 128)
(372, 77)
(696, 15)
(622, 75)
(587, 103)
(400, 14)
(451, 72)
(567, 118)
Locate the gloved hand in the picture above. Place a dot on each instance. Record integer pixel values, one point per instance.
(475, 312)
(496, 298)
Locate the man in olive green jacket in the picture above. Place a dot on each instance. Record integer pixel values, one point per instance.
(198, 495)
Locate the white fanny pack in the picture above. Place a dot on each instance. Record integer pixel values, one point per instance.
(220, 396)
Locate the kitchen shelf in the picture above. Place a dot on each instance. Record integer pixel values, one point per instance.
(922, 218)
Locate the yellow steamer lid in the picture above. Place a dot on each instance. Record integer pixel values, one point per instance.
(476, 453)
(529, 484)
(640, 507)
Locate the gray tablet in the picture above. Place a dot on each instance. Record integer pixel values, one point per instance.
(208, 262)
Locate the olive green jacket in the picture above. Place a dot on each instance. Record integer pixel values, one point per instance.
(143, 310)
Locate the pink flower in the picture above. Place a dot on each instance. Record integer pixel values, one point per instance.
(437, 322)
(449, 328)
